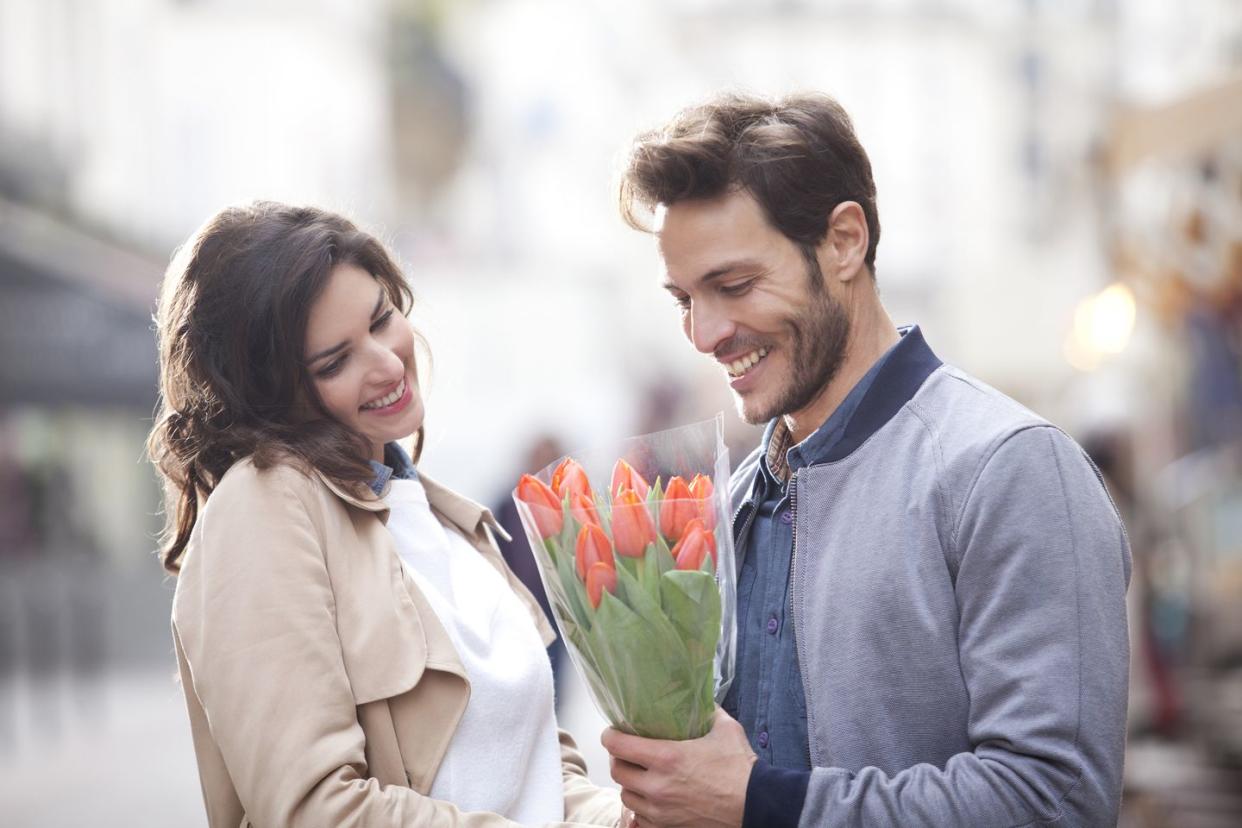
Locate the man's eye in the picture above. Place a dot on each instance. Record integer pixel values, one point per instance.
(737, 288)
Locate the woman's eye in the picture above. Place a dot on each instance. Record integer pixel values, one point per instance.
(332, 368)
(682, 302)
(379, 324)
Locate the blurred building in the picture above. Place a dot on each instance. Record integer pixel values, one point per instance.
(1059, 184)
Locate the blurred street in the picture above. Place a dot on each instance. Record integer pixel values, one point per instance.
(1060, 190)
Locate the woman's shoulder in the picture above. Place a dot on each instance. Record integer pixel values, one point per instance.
(284, 486)
(247, 480)
(271, 507)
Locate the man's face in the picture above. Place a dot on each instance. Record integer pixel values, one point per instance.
(750, 299)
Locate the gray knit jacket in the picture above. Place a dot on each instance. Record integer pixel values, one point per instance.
(958, 601)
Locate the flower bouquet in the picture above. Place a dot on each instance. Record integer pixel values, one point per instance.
(640, 576)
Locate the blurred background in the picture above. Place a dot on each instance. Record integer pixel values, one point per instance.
(1060, 186)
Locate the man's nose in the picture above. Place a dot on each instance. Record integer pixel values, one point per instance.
(707, 328)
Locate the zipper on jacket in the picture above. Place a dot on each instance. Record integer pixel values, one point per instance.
(793, 616)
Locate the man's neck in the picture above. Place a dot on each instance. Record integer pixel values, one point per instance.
(870, 339)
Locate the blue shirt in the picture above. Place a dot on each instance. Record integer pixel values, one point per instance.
(767, 695)
(396, 464)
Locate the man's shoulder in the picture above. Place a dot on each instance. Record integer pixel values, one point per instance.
(966, 414)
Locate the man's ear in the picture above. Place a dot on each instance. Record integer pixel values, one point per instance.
(843, 252)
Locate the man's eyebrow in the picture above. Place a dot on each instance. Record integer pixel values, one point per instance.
(717, 272)
(379, 304)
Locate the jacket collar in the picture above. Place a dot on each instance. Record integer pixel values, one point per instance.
(464, 513)
(910, 362)
(903, 373)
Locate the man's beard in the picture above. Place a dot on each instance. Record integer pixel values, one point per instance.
(818, 338)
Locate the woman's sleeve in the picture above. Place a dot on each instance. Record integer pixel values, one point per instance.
(256, 622)
(584, 801)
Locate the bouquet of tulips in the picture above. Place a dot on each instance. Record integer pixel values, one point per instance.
(640, 576)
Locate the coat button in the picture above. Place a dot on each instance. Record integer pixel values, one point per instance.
(786, 517)
(773, 625)
(763, 739)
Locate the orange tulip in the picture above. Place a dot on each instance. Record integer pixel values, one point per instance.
(545, 506)
(592, 548)
(695, 545)
(600, 577)
(624, 477)
(583, 509)
(701, 489)
(632, 526)
(677, 509)
(570, 478)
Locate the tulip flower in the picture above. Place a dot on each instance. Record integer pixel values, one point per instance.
(600, 577)
(678, 508)
(624, 477)
(650, 649)
(570, 478)
(632, 526)
(592, 548)
(701, 490)
(695, 545)
(583, 509)
(545, 506)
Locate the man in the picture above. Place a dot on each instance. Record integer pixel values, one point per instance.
(931, 617)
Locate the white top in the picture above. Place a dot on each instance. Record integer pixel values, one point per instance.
(505, 755)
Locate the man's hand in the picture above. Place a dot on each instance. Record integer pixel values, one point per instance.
(696, 782)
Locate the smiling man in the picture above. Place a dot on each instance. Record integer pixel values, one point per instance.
(931, 617)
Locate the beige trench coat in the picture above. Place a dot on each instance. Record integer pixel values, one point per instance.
(322, 689)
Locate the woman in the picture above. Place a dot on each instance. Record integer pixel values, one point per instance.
(352, 649)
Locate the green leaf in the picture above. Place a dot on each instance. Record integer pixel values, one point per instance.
(569, 529)
(691, 601)
(574, 591)
(664, 555)
(652, 572)
(649, 680)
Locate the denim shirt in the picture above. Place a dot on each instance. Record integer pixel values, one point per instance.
(396, 464)
(767, 695)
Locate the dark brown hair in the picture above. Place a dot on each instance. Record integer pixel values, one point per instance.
(231, 326)
(797, 156)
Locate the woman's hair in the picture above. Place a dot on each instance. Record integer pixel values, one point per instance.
(797, 156)
(231, 326)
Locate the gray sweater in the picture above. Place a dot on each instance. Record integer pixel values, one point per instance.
(958, 600)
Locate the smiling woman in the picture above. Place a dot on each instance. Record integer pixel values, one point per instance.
(368, 379)
(334, 668)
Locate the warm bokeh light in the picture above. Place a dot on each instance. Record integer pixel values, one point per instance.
(1103, 324)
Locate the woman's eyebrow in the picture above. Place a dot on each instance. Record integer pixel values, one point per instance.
(379, 304)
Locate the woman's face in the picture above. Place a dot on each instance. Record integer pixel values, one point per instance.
(360, 354)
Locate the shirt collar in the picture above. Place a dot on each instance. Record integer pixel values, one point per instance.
(397, 464)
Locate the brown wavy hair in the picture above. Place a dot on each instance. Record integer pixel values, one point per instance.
(797, 156)
(231, 327)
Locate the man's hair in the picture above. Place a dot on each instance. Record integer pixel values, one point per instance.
(797, 156)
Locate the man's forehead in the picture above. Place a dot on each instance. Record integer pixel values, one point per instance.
(698, 238)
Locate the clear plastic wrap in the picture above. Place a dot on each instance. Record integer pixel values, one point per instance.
(640, 573)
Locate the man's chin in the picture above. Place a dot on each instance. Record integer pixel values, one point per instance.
(752, 412)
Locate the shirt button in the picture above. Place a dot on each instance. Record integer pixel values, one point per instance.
(773, 625)
(786, 517)
(763, 739)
